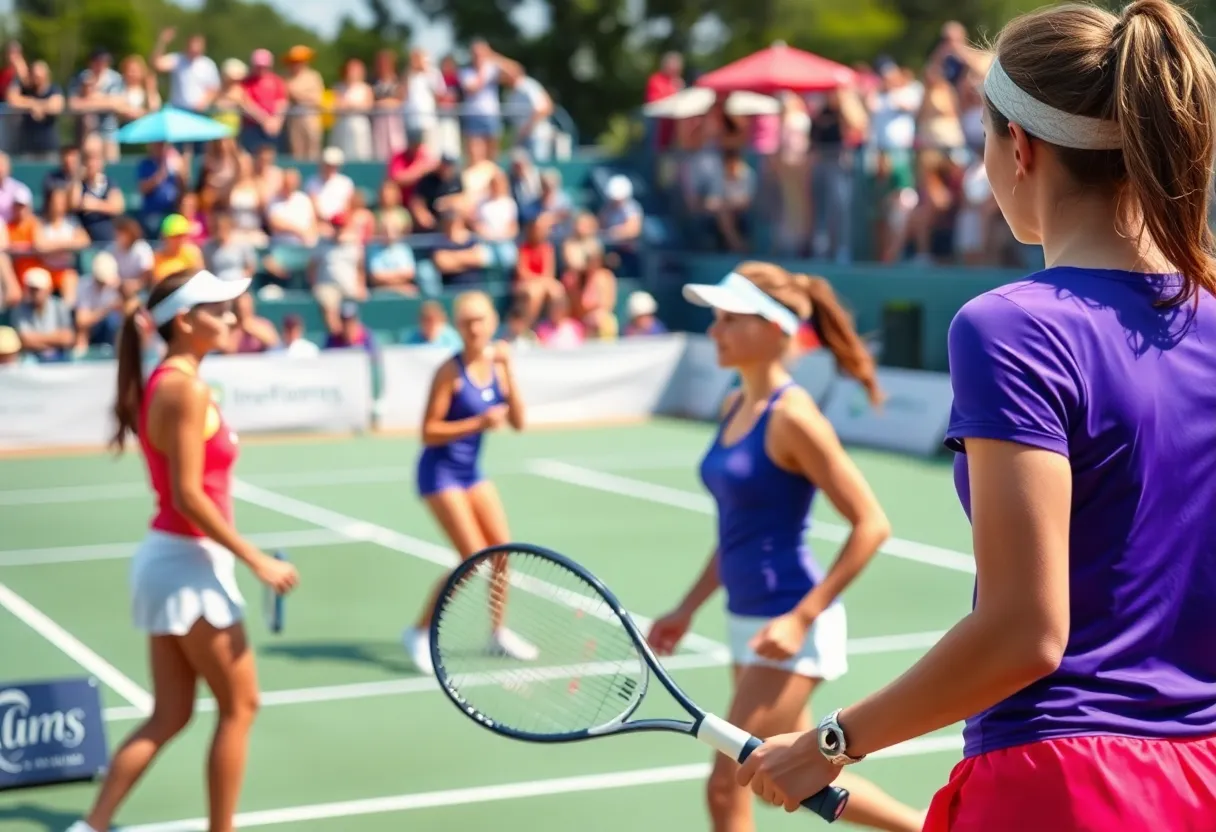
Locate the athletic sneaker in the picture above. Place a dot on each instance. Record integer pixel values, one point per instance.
(506, 642)
(81, 826)
(418, 647)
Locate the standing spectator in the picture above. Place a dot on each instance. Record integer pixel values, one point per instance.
(388, 129)
(230, 100)
(14, 71)
(40, 103)
(529, 109)
(42, 320)
(481, 121)
(162, 181)
(11, 189)
(99, 305)
(354, 100)
(448, 103)
(265, 102)
(139, 93)
(194, 80)
(305, 89)
(666, 81)
(422, 86)
(96, 96)
(95, 199)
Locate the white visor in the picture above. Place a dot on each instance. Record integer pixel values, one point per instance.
(738, 295)
(204, 287)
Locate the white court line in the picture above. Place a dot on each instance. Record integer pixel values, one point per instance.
(872, 645)
(505, 791)
(304, 479)
(701, 503)
(74, 649)
(362, 530)
(118, 551)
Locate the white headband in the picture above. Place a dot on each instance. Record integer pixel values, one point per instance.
(204, 287)
(1046, 122)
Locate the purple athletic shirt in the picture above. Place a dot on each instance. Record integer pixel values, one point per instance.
(1079, 362)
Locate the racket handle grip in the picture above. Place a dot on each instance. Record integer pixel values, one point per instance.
(828, 802)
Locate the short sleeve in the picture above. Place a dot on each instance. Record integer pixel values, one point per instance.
(1012, 378)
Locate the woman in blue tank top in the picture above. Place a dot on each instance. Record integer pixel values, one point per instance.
(472, 392)
(774, 448)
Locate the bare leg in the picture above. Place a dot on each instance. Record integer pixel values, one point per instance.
(173, 682)
(224, 660)
(454, 512)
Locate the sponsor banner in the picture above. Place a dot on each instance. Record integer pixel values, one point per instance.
(56, 404)
(51, 732)
(329, 392)
(913, 419)
(613, 380)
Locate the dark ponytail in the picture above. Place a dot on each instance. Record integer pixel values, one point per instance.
(834, 326)
(129, 396)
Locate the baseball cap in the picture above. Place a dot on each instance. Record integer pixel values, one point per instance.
(261, 58)
(37, 278)
(174, 225)
(204, 287)
(738, 295)
(333, 156)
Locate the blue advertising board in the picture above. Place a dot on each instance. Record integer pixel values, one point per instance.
(51, 732)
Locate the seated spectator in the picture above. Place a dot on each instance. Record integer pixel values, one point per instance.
(438, 191)
(246, 204)
(294, 342)
(496, 219)
(621, 223)
(99, 305)
(729, 201)
(22, 233)
(252, 332)
(360, 220)
(459, 257)
(558, 328)
(407, 168)
(269, 175)
(526, 183)
(162, 181)
(392, 218)
(391, 266)
(290, 215)
(43, 321)
(225, 254)
(192, 210)
(95, 199)
(336, 274)
(133, 254)
(331, 190)
(517, 328)
(433, 328)
(10, 286)
(11, 190)
(535, 271)
(176, 253)
(583, 241)
(642, 316)
(350, 331)
(554, 206)
(58, 242)
(591, 291)
(10, 347)
(476, 179)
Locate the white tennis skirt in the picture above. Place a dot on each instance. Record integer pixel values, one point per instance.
(176, 580)
(824, 654)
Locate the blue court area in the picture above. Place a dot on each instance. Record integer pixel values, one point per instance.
(350, 739)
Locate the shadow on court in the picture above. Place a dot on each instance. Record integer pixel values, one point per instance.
(48, 819)
(389, 655)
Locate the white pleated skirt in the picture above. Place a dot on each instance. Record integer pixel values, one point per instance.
(824, 654)
(176, 580)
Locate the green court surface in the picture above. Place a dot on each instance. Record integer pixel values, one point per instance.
(349, 738)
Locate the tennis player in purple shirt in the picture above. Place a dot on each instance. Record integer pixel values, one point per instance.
(1084, 423)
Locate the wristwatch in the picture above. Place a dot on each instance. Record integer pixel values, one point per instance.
(832, 744)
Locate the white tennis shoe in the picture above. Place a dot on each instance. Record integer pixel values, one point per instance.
(506, 642)
(418, 647)
(81, 826)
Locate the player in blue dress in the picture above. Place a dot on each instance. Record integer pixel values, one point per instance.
(774, 448)
(472, 392)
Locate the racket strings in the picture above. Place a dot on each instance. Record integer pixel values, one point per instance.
(588, 671)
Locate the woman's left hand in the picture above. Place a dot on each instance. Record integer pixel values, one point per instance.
(781, 638)
(787, 769)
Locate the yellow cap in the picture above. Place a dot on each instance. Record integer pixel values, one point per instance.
(174, 225)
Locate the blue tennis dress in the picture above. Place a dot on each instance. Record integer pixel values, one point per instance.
(764, 564)
(457, 464)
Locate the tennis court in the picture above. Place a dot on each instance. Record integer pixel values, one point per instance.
(349, 738)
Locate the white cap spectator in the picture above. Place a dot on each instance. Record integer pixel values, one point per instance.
(619, 188)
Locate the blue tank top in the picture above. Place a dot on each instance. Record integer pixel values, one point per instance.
(764, 564)
(468, 400)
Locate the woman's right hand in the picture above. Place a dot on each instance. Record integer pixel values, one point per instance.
(666, 632)
(495, 417)
(279, 575)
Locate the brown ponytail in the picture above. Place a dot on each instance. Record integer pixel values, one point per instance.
(130, 393)
(1149, 70)
(812, 299)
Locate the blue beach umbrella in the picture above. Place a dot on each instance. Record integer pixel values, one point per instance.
(175, 126)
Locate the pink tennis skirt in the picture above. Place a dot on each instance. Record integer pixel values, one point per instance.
(1082, 784)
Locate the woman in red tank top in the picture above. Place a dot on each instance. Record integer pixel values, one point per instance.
(184, 593)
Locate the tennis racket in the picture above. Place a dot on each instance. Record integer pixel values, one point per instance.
(274, 604)
(594, 663)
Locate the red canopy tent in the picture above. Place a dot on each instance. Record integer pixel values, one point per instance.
(778, 68)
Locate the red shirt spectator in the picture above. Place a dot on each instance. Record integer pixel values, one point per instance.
(264, 89)
(668, 80)
(408, 166)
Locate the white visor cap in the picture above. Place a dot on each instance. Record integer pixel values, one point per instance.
(738, 295)
(204, 287)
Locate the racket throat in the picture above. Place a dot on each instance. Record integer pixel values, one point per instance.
(721, 735)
